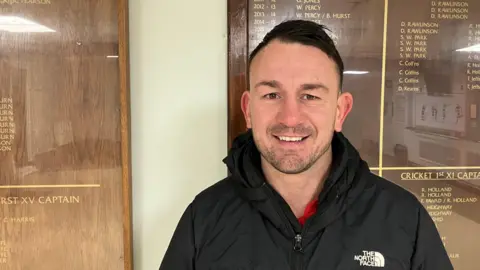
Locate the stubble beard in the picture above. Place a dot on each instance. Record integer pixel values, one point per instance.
(290, 162)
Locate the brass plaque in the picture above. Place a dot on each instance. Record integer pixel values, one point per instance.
(64, 135)
(413, 67)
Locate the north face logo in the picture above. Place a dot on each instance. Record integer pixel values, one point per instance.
(370, 258)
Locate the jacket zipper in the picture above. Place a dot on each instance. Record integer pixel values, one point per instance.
(298, 247)
(298, 252)
(297, 260)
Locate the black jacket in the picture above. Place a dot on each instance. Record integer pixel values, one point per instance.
(363, 222)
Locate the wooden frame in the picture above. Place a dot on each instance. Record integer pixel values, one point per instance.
(237, 64)
(65, 94)
(123, 24)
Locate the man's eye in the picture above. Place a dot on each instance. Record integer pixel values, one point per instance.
(309, 97)
(272, 96)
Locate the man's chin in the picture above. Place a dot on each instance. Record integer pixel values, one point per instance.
(290, 165)
(292, 170)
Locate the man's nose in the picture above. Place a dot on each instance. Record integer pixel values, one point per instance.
(289, 113)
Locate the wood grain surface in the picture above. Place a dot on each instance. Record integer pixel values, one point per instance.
(65, 176)
(237, 65)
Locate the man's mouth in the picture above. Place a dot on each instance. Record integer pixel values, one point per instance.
(291, 138)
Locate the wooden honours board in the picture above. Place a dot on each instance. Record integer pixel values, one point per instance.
(64, 135)
(414, 71)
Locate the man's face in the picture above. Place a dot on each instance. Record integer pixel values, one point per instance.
(294, 105)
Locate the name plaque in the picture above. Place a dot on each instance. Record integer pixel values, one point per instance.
(413, 68)
(65, 186)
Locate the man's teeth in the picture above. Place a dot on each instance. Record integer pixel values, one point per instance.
(291, 139)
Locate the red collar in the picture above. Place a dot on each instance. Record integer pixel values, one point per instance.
(309, 211)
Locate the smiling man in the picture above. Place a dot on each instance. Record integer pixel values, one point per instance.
(299, 195)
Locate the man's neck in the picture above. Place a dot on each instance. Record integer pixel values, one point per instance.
(299, 189)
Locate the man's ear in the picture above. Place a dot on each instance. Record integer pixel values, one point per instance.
(245, 104)
(344, 106)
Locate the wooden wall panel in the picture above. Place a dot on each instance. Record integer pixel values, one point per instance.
(65, 177)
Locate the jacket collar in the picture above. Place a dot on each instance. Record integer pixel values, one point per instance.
(243, 162)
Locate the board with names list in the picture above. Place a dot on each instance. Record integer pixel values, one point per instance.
(413, 68)
(65, 196)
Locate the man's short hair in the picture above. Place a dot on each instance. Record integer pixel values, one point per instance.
(304, 32)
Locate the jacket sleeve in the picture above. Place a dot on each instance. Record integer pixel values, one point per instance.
(180, 252)
(430, 252)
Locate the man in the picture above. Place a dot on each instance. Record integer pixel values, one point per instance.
(299, 196)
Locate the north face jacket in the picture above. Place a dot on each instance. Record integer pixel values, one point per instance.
(362, 222)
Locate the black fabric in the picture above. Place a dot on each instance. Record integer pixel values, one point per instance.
(363, 222)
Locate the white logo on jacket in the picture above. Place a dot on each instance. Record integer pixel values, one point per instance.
(370, 258)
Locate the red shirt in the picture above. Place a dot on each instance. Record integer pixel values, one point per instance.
(309, 211)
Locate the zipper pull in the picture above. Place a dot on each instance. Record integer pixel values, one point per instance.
(298, 243)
